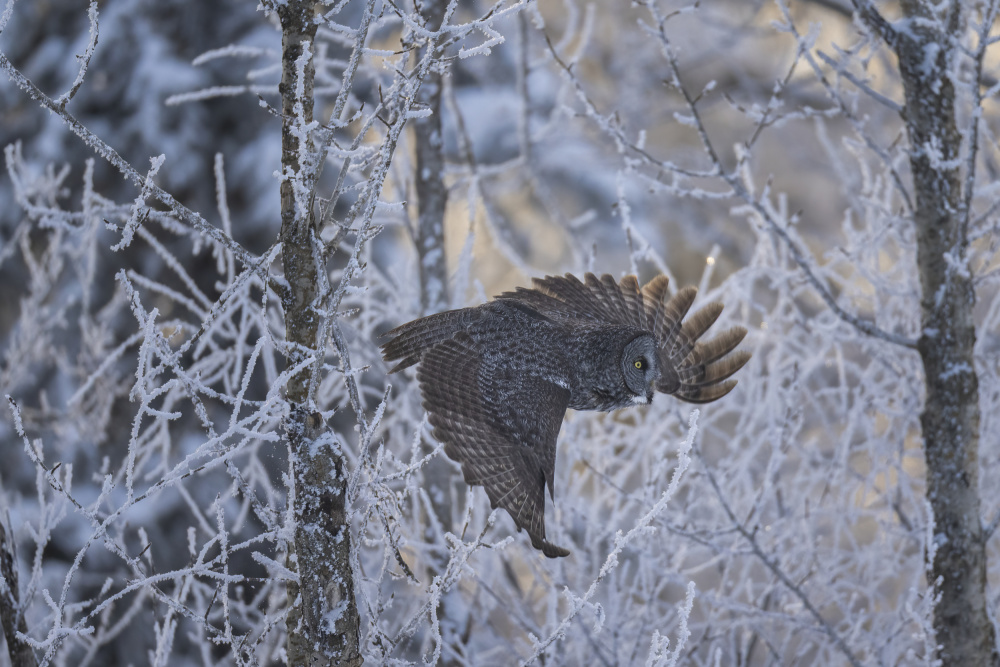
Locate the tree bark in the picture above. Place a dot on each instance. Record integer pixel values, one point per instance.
(950, 418)
(432, 195)
(11, 616)
(432, 199)
(323, 622)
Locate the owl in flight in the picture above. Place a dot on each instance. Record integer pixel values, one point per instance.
(497, 378)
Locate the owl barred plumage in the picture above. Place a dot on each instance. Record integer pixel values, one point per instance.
(497, 378)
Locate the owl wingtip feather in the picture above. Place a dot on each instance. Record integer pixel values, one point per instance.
(406, 363)
(700, 370)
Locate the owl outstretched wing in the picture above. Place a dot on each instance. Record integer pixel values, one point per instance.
(408, 342)
(500, 426)
(691, 370)
(597, 299)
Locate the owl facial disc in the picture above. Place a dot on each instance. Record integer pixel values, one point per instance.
(640, 366)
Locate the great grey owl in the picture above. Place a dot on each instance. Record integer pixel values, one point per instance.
(497, 378)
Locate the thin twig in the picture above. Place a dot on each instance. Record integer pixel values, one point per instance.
(775, 569)
(137, 178)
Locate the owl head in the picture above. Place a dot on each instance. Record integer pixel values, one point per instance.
(640, 368)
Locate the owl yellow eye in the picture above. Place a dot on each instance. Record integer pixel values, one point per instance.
(638, 364)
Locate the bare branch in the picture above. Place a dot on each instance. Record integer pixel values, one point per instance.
(876, 22)
(772, 565)
(138, 179)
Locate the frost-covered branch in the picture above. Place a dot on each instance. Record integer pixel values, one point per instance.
(183, 412)
(735, 180)
(622, 540)
(198, 223)
(751, 537)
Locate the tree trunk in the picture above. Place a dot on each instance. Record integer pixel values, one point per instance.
(432, 195)
(323, 623)
(432, 199)
(11, 616)
(950, 419)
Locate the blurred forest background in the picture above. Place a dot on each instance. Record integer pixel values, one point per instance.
(754, 149)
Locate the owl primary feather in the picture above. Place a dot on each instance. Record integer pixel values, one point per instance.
(497, 378)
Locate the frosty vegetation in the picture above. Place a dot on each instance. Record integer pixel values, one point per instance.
(429, 156)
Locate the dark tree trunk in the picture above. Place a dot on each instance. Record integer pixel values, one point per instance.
(323, 622)
(432, 195)
(432, 199)
(11, 616)
(950, 419)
